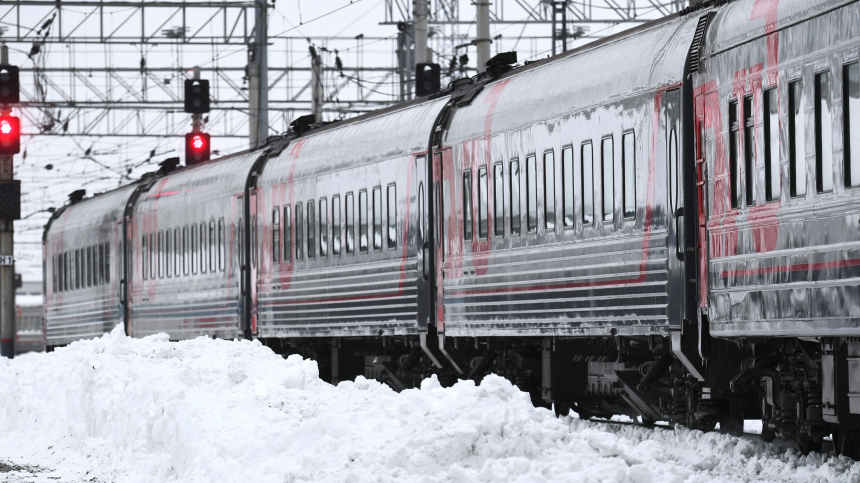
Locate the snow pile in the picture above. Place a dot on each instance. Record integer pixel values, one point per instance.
(150, 410)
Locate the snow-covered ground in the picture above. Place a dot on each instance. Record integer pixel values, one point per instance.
(117, 409)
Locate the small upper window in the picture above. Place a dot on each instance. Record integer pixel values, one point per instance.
(608, 174)
(587, 182)
(467, 206)
(531, 192)
(392, 216)
(498, 200)
(377, 218)
(549, 190)
(567, 184)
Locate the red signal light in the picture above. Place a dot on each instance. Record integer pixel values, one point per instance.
(196, 147)
(10, 135)
(196, 143)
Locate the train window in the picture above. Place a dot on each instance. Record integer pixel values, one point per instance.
(222, 245)
(749, 151)
(608, 174)
(483, 208)
(65, 271)
(311, 230)
(467, 206)
(498, 200)
(185, 257)
(515, 197)
(587, 161)
(549, 190)
(159, 253)
(80, 264)
(362, 220)
(771, 145)
(335, 225)
(204, 247)
(96, 263)
(300, 232)
(734, 146)
(167, 254)
(287, 234)
(254, 240)
(446, 220)
(392, 216)
(797, 142)
(628, 167)
(851, 127)
(213, 248)
(323, 228)
(152, 256)
(436, 210)
(54, 273)
(177, 253)
(823, 134)
(144, 259)
(107, 260)
(377, 218)
(194, 259)
(276, 234)
(531, 192)
(101, 263)
(349, 213)
(89, 265)
(240, 244)
(421, 217)
(567, 184)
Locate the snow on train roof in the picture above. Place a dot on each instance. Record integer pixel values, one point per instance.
(744, 20)
(355, 143)
(631, 63)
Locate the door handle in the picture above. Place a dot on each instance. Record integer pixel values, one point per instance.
(679, 252)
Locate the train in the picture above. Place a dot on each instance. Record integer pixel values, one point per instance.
(663, 223)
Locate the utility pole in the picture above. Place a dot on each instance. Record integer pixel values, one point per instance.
(422, 54)
(258, 78)
(316, 85)
(483, 40)
(559, 15)
(10, 202)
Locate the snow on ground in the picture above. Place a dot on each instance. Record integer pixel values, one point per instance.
(117, 409)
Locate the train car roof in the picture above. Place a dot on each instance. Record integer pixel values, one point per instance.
(92, 212)
(744, 20)
(630, 63)
(401, 129)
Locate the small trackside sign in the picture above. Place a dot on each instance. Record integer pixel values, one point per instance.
(7, 260)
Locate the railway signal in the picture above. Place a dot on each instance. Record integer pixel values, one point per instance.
(197, 148)
(10, 135)
(196, 96)
(9, 85)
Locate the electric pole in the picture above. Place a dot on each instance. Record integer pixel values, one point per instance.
(482, 41)
(10, 200)
(258, 77)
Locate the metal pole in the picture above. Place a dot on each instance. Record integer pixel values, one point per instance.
(7, 271)
(482, 42)
(422, 55)
(258, 78)
(316, 86)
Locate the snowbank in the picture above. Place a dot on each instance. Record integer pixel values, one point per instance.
(150, 410)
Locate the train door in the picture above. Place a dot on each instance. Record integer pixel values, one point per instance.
(671, 126)
(441, 204)
(253, 252)
(423, 245)
(237, 258)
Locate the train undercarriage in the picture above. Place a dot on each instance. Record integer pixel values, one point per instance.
(801, 390)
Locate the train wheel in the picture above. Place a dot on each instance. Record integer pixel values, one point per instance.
(846, 442)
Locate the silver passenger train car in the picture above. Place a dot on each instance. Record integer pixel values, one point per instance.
(664, 223)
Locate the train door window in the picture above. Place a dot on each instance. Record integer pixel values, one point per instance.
(288, 248)
(144, 260)
(851, 123)
(240, 244)
(446, 220)
(531, 192)
(483, 204)
(254, 240)
(311, 230)
(392, 216)
(549, 190)
(177, 253)
(107, 260)
(734, 146)
(362, 221)
(567, 184)
(796, 138)
(349, 213)
(185, 264)
(213, 247)
(771, 145)
(222, 244)
(300, 233)
(102, 263)
(323, 228)
(823, 134)
(436, 211)
(54, 273)
(587, 161)
(335, 225)
(467, 206)
(749, 151)
(204, 247)
(516, 218)
(628, 167)
(498, 200)
(608, 175)
(168, 255)
(377, 218)
(421, 218)
(194, 259)
(276, 234)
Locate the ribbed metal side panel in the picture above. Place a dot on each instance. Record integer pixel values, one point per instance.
(361, 300)
(84, 319)
(563, 289)
(213, 314)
